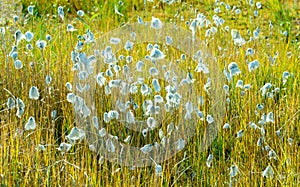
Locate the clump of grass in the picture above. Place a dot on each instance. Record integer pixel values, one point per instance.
(31, 157)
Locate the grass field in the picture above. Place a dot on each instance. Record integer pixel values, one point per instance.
(258, 137)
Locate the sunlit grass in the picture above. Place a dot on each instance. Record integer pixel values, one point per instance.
(22, 164)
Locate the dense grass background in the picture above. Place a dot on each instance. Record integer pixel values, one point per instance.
(22, 165)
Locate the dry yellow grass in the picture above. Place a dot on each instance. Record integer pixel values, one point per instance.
(21, 164)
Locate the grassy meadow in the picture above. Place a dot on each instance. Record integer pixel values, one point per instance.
(258, 137)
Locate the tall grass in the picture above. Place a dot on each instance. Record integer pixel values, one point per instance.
(21, 164)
